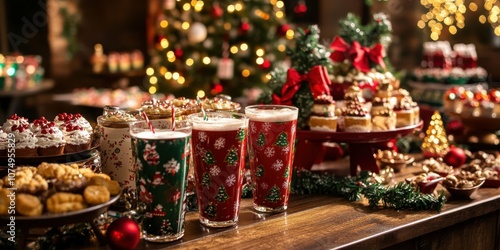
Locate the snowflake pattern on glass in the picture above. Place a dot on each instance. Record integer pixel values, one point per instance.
(231, 180)
(266, 126)
(200, 151)
(286, 149)
(214, 171)
(236, 206)
(277, 165)
(253, 128)
(264, 185)
(220, 143)
(285, 185)
(202, 136)
(269, 152)
(172, 166)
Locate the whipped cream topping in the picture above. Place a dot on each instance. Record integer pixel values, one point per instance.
(4, 139)
(25, 139)
(75, 135)
(19, 121)
(47, 133)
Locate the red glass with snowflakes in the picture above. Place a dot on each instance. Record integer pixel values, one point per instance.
(219, 147)
(271, 137)
(161, 160)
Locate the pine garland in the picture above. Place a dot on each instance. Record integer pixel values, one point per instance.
(401, 196)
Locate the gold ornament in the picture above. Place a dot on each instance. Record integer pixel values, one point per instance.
(435, 142)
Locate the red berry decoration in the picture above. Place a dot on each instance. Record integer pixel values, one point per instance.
(266, 64)
(244, 28)
(178, 52)
(123, 234)
(300, 9)
(455, 157)
(217, 11)
(283, 29)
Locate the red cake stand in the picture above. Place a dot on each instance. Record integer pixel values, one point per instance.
(361, 146)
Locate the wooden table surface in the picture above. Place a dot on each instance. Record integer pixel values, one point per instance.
(326, 222)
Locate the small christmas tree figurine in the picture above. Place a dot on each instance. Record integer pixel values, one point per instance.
(282, 140)
(221, 195)
(232, 157)
(209, 158)
(273, 195)
(210, 210)
(435, 143)
(205, 181)
(261, 140)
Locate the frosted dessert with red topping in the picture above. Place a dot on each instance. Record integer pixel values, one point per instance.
(50, 137)
(76, 119)
(405, 112)
(14, 120)
(26, 142)
(77, 138)
(323, 114)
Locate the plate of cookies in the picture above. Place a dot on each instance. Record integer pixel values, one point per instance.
(66, 138)
(55, 194)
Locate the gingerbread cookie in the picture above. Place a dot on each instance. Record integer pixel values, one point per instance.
(112, 186)
(95, 195)
(71, 183)
(63, 202)
(28, 205)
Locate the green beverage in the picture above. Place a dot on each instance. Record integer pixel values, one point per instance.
(161, 160)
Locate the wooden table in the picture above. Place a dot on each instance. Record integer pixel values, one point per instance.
(325, 222)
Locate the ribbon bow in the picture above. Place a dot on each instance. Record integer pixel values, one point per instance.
(317, 78)
(360, 56)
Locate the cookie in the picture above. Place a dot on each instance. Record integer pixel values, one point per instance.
(71, 183)
(86, 172)
(34, 186)
(51, 170)
(4, 201)
(95, 195)
(28, 205)
(112, 186)
(63, 202)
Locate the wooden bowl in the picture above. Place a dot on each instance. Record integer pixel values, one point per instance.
(463, 193)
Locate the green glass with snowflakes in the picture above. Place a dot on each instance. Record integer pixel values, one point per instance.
(219, 148)
(161, 160)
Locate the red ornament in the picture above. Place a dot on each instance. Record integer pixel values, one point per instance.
(216, 89)
(300, 8)
(217, 11)
(244, 28)
(123, 234)
(178, 53)
(283, 29)
(266, 64)
(455, 157)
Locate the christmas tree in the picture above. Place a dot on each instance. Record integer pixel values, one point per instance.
(232, 157)
(435, 143)
(241, 135)
(205, 181)
(221, 195)
(261, 140)
(209, 158)
(273, 195)
(259, 171)
(217, 46)
(210, 211)
(282, 140)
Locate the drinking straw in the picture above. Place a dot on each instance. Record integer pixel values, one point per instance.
(173, 117)
(205, 117)
(150, 125)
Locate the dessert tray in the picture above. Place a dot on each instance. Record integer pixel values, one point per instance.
(64, 158)
(360, 145)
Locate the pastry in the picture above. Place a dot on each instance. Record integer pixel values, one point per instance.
(25, 140)
(61, 120)
(95, 195)
(65, 202)
(77, 138)
(4, 142)
(112, 186)
(323, 116)
(384, 120)
(28, 205)
(384, 90)
(36, 185)
(357, 118)
(405, 115)
(71, 183)
(56, 171)
(379, 104)
(4, 201)
(16, 120)
(50, 140)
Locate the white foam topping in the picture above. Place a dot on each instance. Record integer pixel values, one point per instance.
(219, 124)
(271, 115)
(160, 135)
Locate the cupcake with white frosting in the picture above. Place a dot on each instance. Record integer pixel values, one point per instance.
(77, 138)
(50, 137)
(25, 140)
(14, 120)
(4, 142)
(76, 119)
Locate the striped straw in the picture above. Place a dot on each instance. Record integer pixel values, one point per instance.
(150, 125)
(205, 117)
(173, 117)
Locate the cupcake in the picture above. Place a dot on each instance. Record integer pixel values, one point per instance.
(357, 118)
(156, 109)
(77, 138)
(384, 90)
(14, 119)
(220, 104)
(26, 142)
(323, 114)
(384, 120)
(50, 139)
(405, 115)
(379, 104)
(76, 119)
(4, 142)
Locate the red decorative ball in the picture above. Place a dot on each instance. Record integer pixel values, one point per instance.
(455, 157)
(178, 53)
(300, 9)
(244, 27)
(123, 234)
(266, 64)
(283, 29)
(217, 11)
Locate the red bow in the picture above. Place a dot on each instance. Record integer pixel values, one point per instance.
(360, 56)
(318, 83)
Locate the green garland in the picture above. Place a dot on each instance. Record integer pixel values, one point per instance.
(401, 196)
